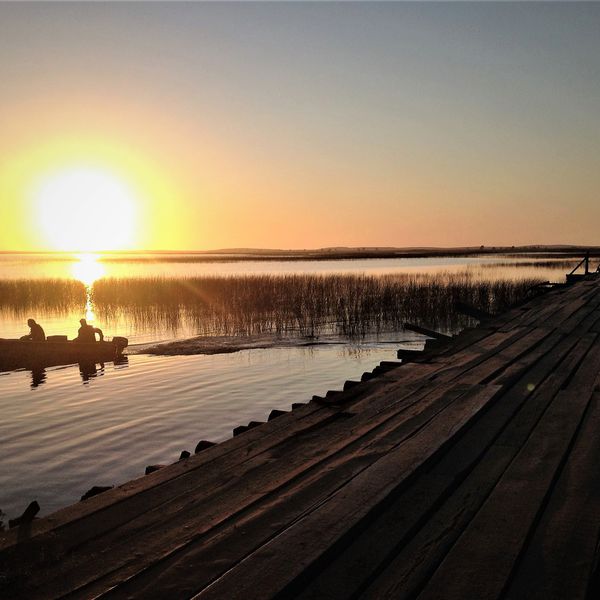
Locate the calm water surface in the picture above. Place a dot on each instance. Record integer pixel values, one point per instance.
(88, 267)
(61, 435)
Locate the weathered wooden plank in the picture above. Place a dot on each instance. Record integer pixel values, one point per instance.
(205, 552)
(291, 502)
(559, 560)
(309, 538)
(373, 403)
(554, 342)
(476, 356)
(542, 308)
(410, 569)
(520, 315)
(578, 328)
(500, 361)
(588, 312)
(463, 340)
(554, 315)
(229, 500)
(510, 511)
(353, 569)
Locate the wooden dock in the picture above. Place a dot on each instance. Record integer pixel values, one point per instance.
(472, 472)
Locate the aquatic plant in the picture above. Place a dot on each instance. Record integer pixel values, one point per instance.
(351, 305)
(307, 304)
(31, 296)
(561, 265)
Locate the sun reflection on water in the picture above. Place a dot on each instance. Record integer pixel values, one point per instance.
(87, 270)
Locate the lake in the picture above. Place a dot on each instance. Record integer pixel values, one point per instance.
(65, 430)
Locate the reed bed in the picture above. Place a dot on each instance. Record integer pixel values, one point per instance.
(307, 305)
(32, 296)
(561, 264)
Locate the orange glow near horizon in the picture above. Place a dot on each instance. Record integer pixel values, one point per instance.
(245, 127)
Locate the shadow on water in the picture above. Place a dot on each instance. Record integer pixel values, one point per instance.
(38, 376)
(121, 362)
(87, 370)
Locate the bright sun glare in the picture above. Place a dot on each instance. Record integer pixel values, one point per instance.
(86, 209)
(87, 269)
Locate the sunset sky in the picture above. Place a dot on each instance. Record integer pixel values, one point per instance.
(287, 125)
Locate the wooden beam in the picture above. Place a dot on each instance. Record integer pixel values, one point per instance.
(471, 311)
(428, 332)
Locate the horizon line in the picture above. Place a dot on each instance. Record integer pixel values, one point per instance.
(380, 249)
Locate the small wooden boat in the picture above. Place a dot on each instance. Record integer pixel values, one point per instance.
(17, 354)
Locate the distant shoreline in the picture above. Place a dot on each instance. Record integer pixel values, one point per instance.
(319, 254)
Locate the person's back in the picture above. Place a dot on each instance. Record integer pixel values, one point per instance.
(87, 333)
(36, 332)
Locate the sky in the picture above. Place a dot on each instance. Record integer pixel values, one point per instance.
(190, 126)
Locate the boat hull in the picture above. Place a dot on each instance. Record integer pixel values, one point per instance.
(17, 354)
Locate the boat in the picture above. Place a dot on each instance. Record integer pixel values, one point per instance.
(57, 350)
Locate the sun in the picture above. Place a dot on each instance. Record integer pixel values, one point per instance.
(86, 209)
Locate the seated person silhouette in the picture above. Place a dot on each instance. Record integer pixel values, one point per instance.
(87, 333)
(36, 333)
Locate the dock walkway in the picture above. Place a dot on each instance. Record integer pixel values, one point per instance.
(471, 472)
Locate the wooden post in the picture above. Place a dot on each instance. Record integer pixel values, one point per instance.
(276, 413)
(203, 445)
(95, 490)
(28, 515)
(153, 468)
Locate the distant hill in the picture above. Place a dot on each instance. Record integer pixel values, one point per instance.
(339, 252)
(342, 252)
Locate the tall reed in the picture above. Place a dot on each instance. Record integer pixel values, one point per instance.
(349, 305)
(30, 296)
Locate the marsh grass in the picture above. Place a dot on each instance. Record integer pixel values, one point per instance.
(348, 305)
(561, 264)
(30, 296)
(307, 305)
